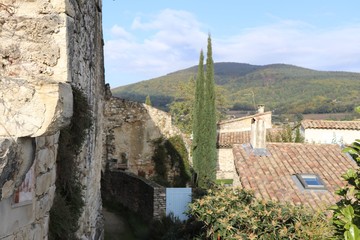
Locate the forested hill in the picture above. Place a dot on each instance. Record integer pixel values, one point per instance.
(283, 88)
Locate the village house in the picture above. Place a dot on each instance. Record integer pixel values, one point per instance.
(321, 131)
(235, 131)
(301, 173)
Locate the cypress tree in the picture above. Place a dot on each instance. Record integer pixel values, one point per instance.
(198, 114)
(204, 122)
(210, 115)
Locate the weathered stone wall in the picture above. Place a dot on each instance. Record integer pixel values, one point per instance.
(225, 164)
(131, 129)
(86, 71)
(46, 46)
(138, 194)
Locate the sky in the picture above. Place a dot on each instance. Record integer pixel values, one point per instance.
(147, 39)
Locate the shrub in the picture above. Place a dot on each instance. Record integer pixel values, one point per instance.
(236, 214)
(346, 218)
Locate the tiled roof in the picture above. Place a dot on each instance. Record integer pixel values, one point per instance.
(322, 124)
(270, 176)
(228, 139)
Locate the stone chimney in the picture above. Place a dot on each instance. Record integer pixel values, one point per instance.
(261, 108)
(258, 136)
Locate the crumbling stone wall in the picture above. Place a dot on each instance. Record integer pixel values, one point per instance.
(131, 129)
(47, 46)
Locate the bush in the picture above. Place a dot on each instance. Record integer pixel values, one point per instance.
(236, 214)
(346, 218)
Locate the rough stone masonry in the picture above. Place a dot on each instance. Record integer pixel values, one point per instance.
(47, 46)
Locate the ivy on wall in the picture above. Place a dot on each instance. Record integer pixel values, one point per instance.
(68, 201)
(171, 154)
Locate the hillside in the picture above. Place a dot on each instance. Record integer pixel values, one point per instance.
(283, 88)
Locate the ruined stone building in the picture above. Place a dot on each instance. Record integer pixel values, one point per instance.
(47, 47)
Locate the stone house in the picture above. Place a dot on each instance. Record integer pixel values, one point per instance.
(235, 131)
(300, 173)
(321, 131)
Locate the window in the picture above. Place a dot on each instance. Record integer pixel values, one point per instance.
(310, 181)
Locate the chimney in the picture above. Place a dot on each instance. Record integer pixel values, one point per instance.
(261, 108)
(258, 136)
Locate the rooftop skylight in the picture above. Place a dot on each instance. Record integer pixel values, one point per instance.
(310, 181)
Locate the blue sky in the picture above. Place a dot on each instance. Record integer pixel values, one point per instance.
(146, 39)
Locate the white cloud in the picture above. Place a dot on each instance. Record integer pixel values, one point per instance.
(173, 42)
(294, 43)
(120, 32)
(174, 39)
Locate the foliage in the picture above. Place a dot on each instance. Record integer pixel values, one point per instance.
(68, 202)
(346, 216)
(182, 108)
(147, 100)
(287, 134)
(204, 122)
(229, 213)
(171, 151)
(284, 88)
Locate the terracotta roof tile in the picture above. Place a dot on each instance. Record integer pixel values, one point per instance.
(322, 124)
(228, 139)
(270, 176)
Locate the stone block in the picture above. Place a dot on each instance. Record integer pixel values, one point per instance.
(29, 109)
(45, 181)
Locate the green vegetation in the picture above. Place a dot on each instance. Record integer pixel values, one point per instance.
(346, 216)
(228, 213)
(68, 202)
(182, 108)
(287, 134)
(147, 100)
(284, 88)
(171, 151)
(204, 122)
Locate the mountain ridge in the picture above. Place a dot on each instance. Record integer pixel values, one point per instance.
(283, 87)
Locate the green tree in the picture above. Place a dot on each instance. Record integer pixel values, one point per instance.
(147, 100)
(182, 108)
(204, 122)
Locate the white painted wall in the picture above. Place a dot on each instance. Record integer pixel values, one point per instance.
(331, 136)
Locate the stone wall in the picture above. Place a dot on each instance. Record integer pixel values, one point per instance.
(138, 194)
(131, 129)
(85, 52)
(46, 46)
(225, 164)
(28, 217)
